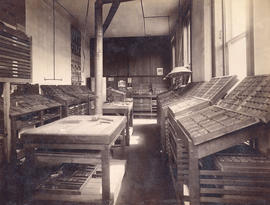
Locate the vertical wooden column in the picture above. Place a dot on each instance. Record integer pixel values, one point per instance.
(98, 57)
(7, 122)
(194, 175)
(106, 191)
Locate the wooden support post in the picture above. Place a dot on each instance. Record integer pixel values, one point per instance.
(7, 122)
(98, 57)
(112, 11)
(127, 134)
(194, 176)
(106, 176)
(180, 176)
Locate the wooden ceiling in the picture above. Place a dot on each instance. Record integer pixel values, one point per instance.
(132, 19)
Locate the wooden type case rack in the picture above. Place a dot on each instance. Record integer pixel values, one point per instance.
(241, 116)
(74, 99)
(15, 56)
(205, 95)
(28, 111)
(171, 97)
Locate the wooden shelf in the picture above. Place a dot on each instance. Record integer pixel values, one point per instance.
(92, 193)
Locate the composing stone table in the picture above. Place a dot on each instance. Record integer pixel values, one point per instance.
(82, 132)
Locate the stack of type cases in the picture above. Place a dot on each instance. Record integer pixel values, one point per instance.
(171, 97)
(69, 179)
(15, 52)
(205, 95)
(244, 109)
(29, 110)
(115, 95)
(237, 178)
(74, 99)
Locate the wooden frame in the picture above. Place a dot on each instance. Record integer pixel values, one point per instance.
(102, 139)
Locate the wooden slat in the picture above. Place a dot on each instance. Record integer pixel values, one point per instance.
(15, 68)
(5, 38)
(252, 191)
(3, 55)
(235, 173)
(13, 35)
(14, 46)
(238, 181)
(25, 54)
(232, 200)
(14, 54)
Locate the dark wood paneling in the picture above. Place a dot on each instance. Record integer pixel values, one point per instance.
(134, 56)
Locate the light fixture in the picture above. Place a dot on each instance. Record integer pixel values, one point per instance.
(176, 71)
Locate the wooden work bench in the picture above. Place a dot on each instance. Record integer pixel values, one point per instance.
(121, 108)
(80, 133)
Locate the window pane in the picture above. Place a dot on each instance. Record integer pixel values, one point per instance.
(239, 15)
(237, 58)
(235, 17)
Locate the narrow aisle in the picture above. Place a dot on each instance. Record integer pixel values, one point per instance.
(147, 179)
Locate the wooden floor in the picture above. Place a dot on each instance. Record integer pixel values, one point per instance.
(147, 180)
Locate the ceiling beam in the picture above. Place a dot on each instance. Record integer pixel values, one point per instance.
(112, 1)
(112, 11)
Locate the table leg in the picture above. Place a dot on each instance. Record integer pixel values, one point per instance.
(106, 176)
(127, 130)
(131, 118)
(123, 142)
(194, 176)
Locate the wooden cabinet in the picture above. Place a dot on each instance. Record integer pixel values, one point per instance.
(145, 105)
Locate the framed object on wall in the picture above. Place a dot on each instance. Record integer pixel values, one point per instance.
(159, 71)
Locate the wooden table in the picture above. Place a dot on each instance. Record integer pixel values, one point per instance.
(80, 132)
(121, 108)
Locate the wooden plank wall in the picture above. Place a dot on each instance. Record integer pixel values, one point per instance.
(137, 58)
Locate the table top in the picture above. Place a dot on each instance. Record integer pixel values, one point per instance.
(118, 105)
(77, 129)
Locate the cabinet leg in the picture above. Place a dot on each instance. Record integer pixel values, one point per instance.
(106, 176)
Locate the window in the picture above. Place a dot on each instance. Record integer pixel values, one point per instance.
(186, 43)
(236, 37)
